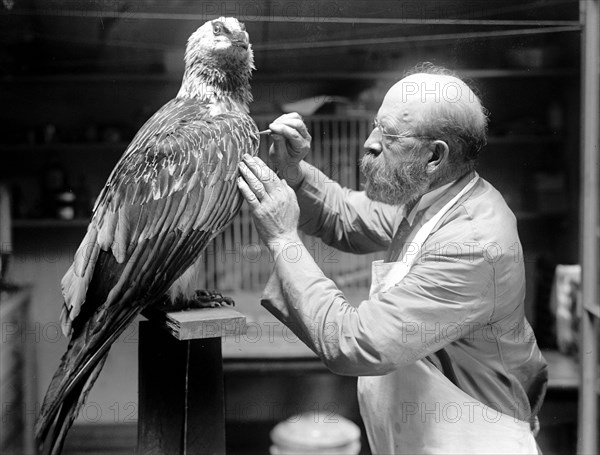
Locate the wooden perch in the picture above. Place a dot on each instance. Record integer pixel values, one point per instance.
(181, 391)
(201, 323)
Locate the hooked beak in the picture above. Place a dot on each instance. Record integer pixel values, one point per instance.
(241, 39)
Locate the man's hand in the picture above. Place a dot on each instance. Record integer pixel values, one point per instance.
(291, 144)
(272, 202)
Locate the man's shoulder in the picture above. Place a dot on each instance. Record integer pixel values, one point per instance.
(481, 215)
(486, 202)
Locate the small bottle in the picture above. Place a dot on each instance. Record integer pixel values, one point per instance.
(65, 204)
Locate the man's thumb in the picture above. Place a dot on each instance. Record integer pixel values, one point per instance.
(278, 143)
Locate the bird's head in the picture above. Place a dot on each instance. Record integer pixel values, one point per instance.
(219, 53)
(221, 39)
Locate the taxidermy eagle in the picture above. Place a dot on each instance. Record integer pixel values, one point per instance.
(173, 190)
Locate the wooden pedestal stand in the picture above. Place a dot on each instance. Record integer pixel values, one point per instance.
(181, 402)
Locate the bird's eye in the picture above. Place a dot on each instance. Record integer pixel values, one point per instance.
(217, 29)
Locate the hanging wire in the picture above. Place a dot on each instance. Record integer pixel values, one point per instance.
(487, 12)
(537, 27)
(414, 39)
(146, 15)
(397, 40)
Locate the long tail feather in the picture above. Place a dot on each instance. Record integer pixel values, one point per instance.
(70, 408)
(76, 374)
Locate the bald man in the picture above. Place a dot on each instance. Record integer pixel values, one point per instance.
(446, 360)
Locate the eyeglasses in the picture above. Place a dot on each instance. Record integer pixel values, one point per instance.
(377, 125)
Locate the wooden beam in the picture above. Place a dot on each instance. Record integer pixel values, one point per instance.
(295, 17)
(405, 40)
(589, 244)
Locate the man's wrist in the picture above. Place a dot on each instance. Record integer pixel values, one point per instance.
(292, 174)
(281, 245)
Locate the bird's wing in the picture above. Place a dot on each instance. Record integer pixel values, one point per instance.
(172, 191)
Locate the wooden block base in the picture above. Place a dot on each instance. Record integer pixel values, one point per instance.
(181, 391)
(200, 323)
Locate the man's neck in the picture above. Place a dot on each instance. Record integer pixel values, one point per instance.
(450, 173)
(445, 179)
(426, 200)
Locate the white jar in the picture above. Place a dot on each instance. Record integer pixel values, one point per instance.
(315, 433)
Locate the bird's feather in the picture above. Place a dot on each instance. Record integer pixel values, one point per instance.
(173, 190)
(162, 177)
(183, 181)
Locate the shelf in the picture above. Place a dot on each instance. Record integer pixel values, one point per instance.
(94, 78)
(49, 223)
(66, 147)
(524, 139)
(534, 216)
(279, 76)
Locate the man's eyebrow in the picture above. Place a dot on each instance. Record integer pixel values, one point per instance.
(390, 123)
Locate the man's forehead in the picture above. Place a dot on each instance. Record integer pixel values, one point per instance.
(425, 88)
(402, 101)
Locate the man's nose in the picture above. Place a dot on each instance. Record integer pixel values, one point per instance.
(373, 143)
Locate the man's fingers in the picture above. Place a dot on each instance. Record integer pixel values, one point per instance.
(288, 116)
(247, 193)
(292, 120)
(293, 123)
(260, 171)
(254, 183)
(294, 131)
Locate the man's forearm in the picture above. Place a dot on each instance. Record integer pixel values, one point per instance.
(312, 306)
(296, 173)
(293, 174)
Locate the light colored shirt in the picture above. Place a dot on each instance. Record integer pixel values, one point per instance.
(426, 200)
(461, 306)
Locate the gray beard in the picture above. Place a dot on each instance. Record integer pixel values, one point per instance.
(395, 186)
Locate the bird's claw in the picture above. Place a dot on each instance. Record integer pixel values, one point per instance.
(212, 299)
(203, 298)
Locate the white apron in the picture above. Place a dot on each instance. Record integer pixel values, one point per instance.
(416, 409)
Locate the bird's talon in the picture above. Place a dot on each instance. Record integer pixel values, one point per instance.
(210, 299)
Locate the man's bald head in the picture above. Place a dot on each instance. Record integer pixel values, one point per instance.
(428, 131)
(437, 104)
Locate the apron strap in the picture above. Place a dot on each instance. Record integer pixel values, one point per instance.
(403, 266)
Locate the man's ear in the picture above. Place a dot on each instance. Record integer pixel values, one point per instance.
(439, 155)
